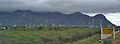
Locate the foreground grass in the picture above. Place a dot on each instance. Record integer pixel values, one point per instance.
(111, 40)
(92, 40)
(46, 36)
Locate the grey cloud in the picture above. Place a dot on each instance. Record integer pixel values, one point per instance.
(67, 6)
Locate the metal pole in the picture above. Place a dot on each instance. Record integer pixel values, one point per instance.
(114, 33)
(101, 31)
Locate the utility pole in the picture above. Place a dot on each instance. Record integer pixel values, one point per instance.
(29, 24)
(100, 23)
(89, 24)
(53, 24)
(93, 22)
(34, 25)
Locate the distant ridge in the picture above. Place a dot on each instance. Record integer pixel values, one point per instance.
(28, 17)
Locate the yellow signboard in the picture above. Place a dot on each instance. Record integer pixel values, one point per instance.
(107, 30)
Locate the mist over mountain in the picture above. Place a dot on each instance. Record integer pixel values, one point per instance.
(28, 17)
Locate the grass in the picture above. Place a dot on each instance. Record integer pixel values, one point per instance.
(90, 40)
(59, 36)
(111, 40)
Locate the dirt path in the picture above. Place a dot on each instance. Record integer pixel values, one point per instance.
(111, 40)
(87, 38)
(117, 41)
(82, 39)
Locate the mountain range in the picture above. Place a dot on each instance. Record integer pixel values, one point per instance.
(28, 17)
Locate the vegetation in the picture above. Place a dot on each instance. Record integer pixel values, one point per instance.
(90, 40)
(44, 34)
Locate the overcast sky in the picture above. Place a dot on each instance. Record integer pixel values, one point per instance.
(110, 8)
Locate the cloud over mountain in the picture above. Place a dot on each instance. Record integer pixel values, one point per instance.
(62, 5)
(65, 6)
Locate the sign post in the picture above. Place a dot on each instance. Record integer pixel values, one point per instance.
(114, 33)
(107, 32)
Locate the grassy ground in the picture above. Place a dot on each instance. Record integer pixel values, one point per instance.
(117, 41)
(46, 36)
(110, 40)
(95, 40)
(90, 40)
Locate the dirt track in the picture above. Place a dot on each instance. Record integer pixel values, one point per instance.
(117, 41)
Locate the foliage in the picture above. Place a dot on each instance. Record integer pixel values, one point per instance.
(90, 40)
(44, 34)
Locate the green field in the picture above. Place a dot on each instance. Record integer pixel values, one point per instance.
(94, 39)
(45, 35)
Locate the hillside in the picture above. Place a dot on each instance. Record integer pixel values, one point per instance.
(28, 17)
